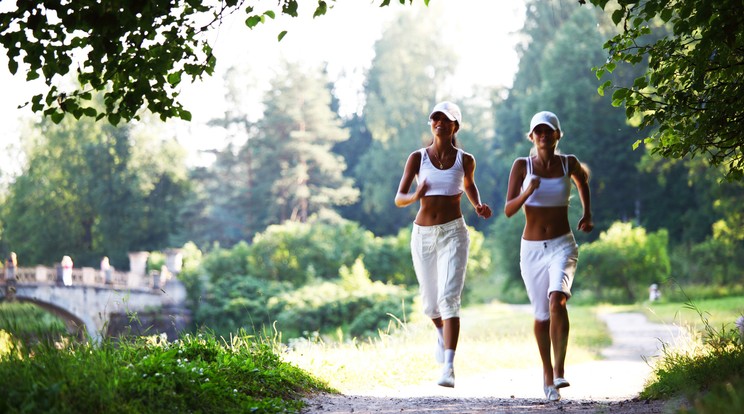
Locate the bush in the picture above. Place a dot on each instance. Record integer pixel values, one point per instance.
(353, 300)
(300, 253)
(624, 257)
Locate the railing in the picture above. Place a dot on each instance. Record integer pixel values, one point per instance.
(86, 276)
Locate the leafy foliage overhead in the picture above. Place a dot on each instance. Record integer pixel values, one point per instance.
(692, 89)
(135, 51)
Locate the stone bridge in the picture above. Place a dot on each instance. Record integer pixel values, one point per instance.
(97, 297)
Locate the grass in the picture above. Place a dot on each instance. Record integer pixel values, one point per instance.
(709, 373)
(149, 375)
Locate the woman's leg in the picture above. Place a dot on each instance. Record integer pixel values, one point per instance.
(542, 335)
(559, 328)
(451, 333)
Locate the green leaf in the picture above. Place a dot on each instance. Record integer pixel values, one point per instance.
(617, 16)
(619, 96)
(57, 117)
(12, 66)
(640, 82)
(36, 104)
(185, 115)
(252, 21)
(290, 8)
(666, 14)
(114, 119)
(321, 9)
(174, 78)
(602, 87)
(281, 35)
(270, 13)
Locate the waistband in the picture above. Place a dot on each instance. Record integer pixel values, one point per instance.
(543, 244)
(450, 225)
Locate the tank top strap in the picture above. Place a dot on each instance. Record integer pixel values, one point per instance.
(529, 165)
(458, 158)
(564, 163)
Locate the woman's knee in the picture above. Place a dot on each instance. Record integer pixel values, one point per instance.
(558, 301)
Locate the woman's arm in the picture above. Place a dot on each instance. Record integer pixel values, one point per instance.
(471, 189)
(515, 197)
(580, 175)
(402, 197)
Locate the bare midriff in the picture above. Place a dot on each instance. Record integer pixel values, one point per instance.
(545, 223)
(438, 210)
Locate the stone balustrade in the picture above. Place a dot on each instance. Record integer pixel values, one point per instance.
(87, 276)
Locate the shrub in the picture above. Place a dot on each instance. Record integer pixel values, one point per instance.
(624, 257)
(352, 300)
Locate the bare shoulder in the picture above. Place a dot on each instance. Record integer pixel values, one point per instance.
(415, 156)
(467, 157)
(519, 164)
(573, 162)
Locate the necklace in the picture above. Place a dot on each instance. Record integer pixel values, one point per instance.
(434, 153)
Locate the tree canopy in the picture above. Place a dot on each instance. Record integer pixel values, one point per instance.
(691, 98)
(134, 52)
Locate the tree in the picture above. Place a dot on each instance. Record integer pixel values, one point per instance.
(90, 190)
(691, 98)
(294, 172)
(135, 52)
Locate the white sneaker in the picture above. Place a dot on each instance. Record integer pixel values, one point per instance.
(439, 351)
(552, 393)
(448, 377)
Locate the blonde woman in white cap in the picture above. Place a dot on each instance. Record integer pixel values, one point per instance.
(542, 184)
(440, 240)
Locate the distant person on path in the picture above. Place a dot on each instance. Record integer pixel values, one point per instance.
(66, 270)
(548, 256)
(654, 293)
(440, 241)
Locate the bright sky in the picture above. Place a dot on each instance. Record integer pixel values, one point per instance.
(481, 31)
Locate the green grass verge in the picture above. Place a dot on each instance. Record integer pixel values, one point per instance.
(194, 374)
(709, 373)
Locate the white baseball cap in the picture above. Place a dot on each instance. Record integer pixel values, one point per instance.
(545, 118)
(451, 110)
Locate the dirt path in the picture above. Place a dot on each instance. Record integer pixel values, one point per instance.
(607, 386)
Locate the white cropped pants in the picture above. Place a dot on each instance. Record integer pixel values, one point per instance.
(440, 257)
(548, 266)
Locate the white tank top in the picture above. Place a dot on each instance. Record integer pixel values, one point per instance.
(447, 182)
(553, 192)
